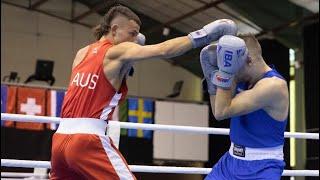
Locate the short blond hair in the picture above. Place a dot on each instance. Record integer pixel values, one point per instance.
(253, 45)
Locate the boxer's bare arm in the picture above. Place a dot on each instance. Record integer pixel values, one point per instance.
(213, 97)
(128, 51)
(269, 94)
(211, 32)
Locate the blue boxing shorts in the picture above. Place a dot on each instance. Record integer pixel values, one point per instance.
(234, 166)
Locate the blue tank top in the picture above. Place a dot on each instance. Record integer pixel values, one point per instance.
(257, 129)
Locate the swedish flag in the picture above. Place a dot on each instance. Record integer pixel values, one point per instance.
(140, 111)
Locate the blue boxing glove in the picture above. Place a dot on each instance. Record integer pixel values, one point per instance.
(141, 39)
(209, 65)
(232, 54)
(212, 32)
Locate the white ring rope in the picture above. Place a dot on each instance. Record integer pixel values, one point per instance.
(128, 125)
(147, 169)
(22, 175)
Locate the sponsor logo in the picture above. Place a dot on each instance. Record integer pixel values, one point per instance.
(239, 151)
(241, 52)
(238, 52)
(221, 79)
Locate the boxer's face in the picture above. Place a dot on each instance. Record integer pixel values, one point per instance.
(244, 73)
(125, 30)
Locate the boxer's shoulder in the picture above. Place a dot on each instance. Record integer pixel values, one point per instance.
(272, 84)
(80, 55)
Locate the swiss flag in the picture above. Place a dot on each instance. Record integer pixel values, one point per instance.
(31, 101)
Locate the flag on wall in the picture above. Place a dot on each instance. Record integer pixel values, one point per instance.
(3, 100)
(8, 102)
(137, 110)
(54, 105)
(140, 111)
(31, 101)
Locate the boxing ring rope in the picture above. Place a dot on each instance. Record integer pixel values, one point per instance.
(21, 175)
(155, 127)
(147, 169)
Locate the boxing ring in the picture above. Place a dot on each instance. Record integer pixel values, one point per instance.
(114, 128)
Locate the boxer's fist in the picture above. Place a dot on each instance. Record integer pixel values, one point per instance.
(232, 54)
(208, 61)
(141, 39)
(212, 32)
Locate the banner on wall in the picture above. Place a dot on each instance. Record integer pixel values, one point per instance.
(31, 101)
(54, 105)
(8, 102)
(140, 111)
(137, 110)
(3, 100)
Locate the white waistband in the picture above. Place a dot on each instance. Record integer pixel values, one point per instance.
(246, 153)
(82, 126)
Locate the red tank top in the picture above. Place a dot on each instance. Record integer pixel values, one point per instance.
(90, 94)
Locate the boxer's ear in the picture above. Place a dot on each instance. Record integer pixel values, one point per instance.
(114, 28)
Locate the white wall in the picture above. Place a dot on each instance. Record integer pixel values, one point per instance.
(27, 36)
(181, 146)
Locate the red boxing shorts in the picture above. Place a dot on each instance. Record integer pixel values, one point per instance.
(81, 150)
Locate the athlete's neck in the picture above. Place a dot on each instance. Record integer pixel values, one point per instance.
(259, 74)
(106, 38)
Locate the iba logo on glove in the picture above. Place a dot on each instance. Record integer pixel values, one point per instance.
(227, 58)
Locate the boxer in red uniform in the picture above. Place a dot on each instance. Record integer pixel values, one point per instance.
(80, 147)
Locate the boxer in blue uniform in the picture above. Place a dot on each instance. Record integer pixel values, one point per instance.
(255, 96)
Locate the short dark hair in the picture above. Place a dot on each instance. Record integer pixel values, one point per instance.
(104, 26)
